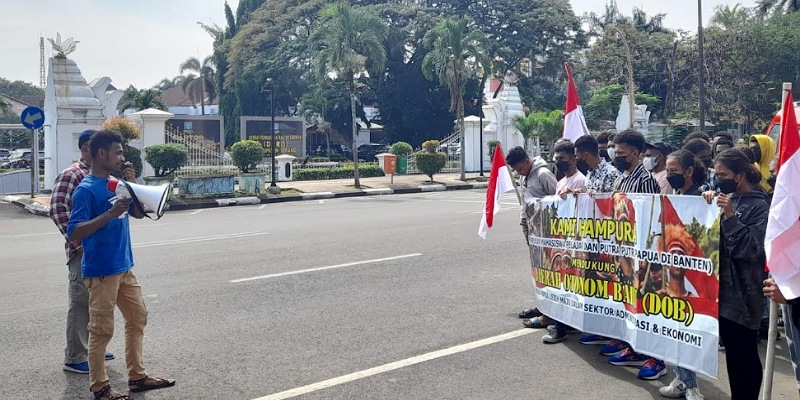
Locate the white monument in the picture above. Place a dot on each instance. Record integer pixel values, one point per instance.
(498, 123)
(641, 117)
(71, 106)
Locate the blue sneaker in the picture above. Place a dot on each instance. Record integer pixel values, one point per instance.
(628, 358)
(652, 369)
(592, 339)
(82, 368)
(109, 356)
(614, 347)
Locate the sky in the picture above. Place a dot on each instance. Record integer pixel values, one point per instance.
(142, 42)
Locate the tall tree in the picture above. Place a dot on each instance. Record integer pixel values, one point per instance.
(4, 106)
(457, 50)
(142, 99)
(199, 83)
(348, 42)
(778, 6)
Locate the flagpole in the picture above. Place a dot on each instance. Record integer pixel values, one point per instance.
(516, 191)
(769, 369)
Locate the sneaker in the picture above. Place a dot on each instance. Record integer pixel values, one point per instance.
(592, 339)
(676, 389)
(613, 348)
(628, 358)
(721, 345)
(553, 335)
(109, 356)
(652, 370)
(693, 394)
(81, 368)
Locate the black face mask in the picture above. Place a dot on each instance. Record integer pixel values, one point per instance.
(676, 180)
(756, 154)
(771, 180)
(727, 186)
(583, 166)
(621, 163)
(604, 154)
(562, 166)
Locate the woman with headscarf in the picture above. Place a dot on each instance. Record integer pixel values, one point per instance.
(763, 148)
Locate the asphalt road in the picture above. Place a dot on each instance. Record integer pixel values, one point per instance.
(397, 288)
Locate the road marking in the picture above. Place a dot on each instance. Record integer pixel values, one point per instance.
(199, 239)
(321, 202)
(34, 234)
(196, 212)
(263, 206)
(303, 271)
(397, 365)
(481, 212)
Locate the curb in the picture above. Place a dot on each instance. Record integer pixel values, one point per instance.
(38, 209)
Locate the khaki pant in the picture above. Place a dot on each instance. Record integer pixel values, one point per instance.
(123, 291)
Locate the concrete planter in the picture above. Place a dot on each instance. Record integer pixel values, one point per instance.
(158, 180)
(206, 185)
(252, 183)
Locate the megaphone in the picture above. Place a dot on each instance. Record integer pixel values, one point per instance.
(154, 198)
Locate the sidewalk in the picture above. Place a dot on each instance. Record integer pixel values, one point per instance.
(298, 191)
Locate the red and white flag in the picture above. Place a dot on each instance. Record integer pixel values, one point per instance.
(499, 182)
(782, 243)
(574, 121)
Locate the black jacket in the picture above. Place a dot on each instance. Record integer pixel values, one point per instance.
(742, 260)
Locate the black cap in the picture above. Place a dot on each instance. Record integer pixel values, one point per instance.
(85, 136)
(661, 146)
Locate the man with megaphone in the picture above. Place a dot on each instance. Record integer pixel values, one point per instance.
(99, 219)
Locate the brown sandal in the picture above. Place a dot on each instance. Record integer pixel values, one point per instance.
(107, 393)
(149, 383)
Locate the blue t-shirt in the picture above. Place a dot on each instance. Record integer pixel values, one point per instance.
(108, 250)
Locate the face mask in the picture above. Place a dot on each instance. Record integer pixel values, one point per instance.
(584, 167)
(604, 155)
(771, 180)
(611, 153)
(727, 186)
(649, 163)
(756, 154)
(562, 166)
(676, 180)
(621, 163)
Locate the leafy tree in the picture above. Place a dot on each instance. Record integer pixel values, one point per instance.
(605, 101)
(142, 99)
(246, 155)
(129, 131)
(17, 89)
(430, 161)
(199, 84)
(778, 6)
(549, 126)
(5, 107)
(457, 49)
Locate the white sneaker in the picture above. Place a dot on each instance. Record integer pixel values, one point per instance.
(693, 394)
(676, 389)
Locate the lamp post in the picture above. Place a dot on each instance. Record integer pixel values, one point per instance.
(271, 131)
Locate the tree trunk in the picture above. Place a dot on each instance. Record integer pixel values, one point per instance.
(203, 97)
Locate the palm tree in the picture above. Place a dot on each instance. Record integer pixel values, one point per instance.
(200, 82)
(142, 99)
(777, 6)
(456, 51)
(349, 40)
(526, 125)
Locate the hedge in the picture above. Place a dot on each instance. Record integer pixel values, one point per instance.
(346, 172)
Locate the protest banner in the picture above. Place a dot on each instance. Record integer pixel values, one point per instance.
(639, 268)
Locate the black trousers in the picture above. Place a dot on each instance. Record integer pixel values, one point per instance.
(743, 362)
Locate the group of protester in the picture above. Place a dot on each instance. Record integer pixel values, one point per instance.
(94, 222)
(741, 179)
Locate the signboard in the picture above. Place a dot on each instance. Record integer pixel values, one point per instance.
(32, 117)
(290, 134)
(199, 129)
(639, 268)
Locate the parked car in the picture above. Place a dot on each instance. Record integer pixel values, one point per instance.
(4, 153)
(367, 152)
(18, 163)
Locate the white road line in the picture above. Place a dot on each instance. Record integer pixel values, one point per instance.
(199, 239)
(263, 206)
(196, 212)
(25, 235)
(397, 365)
(303, 271)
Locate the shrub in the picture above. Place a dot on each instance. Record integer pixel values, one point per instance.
(492, 144)
(134, 156)
(246, 155)
(430, 146)
(431, 162)
(128, 129)
(401, 149)
(166, 158)
(344, 172)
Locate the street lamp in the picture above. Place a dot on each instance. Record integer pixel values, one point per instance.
(271, 131)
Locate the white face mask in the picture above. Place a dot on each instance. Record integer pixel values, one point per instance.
(612, 152)
(648, 163)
